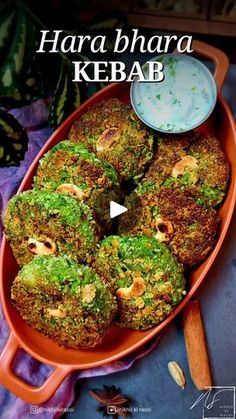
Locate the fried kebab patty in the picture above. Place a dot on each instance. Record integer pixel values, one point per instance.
(70, 168)
(38, 222)
(65, 301)
(113, 131)
(145, 277)
(174, 218)
(192, 162)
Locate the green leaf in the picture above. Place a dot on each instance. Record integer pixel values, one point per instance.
(7, 28)
(13, 140)
(11, 68)
(67, 96)
(20, 79)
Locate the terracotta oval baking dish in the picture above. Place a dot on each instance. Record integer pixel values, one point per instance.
(118, 342)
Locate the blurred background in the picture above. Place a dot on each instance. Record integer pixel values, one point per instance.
(212, 20)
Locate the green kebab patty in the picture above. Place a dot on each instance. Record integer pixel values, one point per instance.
(113, 131)
(192, 162)
(66, 301)
(145, 277)
(70, 168)
(38, 222)
(174, 218)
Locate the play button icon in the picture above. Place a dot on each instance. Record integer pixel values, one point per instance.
(116, 209)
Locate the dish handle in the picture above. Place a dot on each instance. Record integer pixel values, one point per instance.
(218, 57)
(27, 392)
(196, 345)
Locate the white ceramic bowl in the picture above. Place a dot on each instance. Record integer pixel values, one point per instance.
(182, 101)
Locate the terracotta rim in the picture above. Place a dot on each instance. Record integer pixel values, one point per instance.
(40, 394)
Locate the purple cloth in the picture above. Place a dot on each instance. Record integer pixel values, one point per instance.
(34, 119)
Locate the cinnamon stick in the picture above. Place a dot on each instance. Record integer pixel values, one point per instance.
(196, 346)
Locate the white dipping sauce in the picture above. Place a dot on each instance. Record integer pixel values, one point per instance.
(182, 101)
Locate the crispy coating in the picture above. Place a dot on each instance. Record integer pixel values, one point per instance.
(40, 222)
(72, 169)
(173, 218)
(192, 162)
(65, 301)
(145, 277)
(112, 131)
